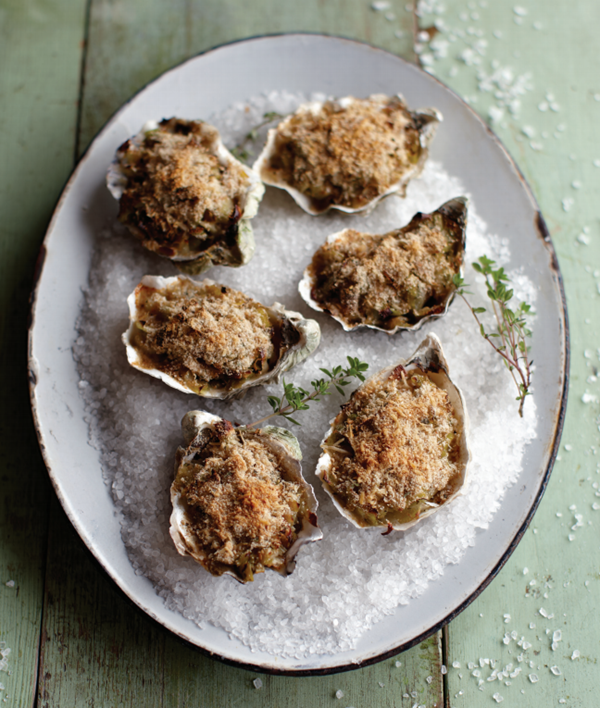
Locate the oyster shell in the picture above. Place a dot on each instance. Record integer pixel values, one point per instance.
(398, 449)
(185, 195)
(347, 154)
(240, 502)
(212, 340)
(390, 282)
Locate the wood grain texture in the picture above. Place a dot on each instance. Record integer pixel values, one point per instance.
(555, 149)
(38, 95)
(97, 650)
(154, 36)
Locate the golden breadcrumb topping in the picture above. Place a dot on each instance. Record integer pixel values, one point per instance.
(346, 156)
(241, 511)
(395, 443)
(388, 280)
(202, 334)
(180, 197)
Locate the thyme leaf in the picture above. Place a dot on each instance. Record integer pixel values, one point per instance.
(296, 398)
(242, 151)
(511, 333)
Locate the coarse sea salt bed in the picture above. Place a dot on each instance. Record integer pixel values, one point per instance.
(353, 578)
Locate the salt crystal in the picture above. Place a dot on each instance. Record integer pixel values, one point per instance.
(398, 664)
(534, 678)
(526, 645)
(497, 697)
(339, 693)
(543, 106)
(531, 625)
(506, 618)
(380, 5)
(555, 670)
(456, 664)
(567, 203)
(562, 701)
(257, 683)
(576, 184)
(568, 447)
(381, 685)
(596, 163)
(444, 670)
(10, 583)
(520, 11)
(575, 655)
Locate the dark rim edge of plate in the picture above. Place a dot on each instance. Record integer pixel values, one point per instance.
(544, 235)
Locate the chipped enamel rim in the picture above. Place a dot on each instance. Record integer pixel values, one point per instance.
(193, 424)
(116, 181)
(309, 330)
(428, 357)
(426, 134)
(305, 286)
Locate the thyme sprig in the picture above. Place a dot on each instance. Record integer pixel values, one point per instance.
(240, 151)
(509, 339)
(296, 398)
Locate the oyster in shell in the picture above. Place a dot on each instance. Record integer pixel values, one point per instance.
(398, 450)
(393, 281)
(212, 340)
(240, 503)
(185, 196)
(347, 154)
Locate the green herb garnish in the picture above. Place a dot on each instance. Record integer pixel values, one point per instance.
(240, 151)
(296, 398)
(509, 339)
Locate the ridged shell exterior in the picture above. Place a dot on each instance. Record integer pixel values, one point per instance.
(194, 424)
(217, 253)
(454, 210)
(429, 118)
(429, 357)
(309, 331)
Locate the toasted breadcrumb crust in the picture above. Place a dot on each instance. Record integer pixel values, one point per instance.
(179, 197)
(346, 156)
(389, 280)
(242, 512)
(202, 334)
(395, 443)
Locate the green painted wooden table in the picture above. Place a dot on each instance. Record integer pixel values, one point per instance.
(533, 71)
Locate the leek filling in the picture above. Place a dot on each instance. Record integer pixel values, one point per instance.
(394, 449)
(242, 509)
(207, 337)
(391, 280)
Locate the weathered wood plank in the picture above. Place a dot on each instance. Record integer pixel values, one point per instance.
(555, 146)
(40, 53)
(132, 43)
(99, 651)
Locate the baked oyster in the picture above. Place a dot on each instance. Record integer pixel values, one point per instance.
(185, 196)
(392, 281)
(347, 154)
(240, 503)
(212, 340)
(397, 451)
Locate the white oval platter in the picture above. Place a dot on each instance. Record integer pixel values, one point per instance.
(200, 87)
